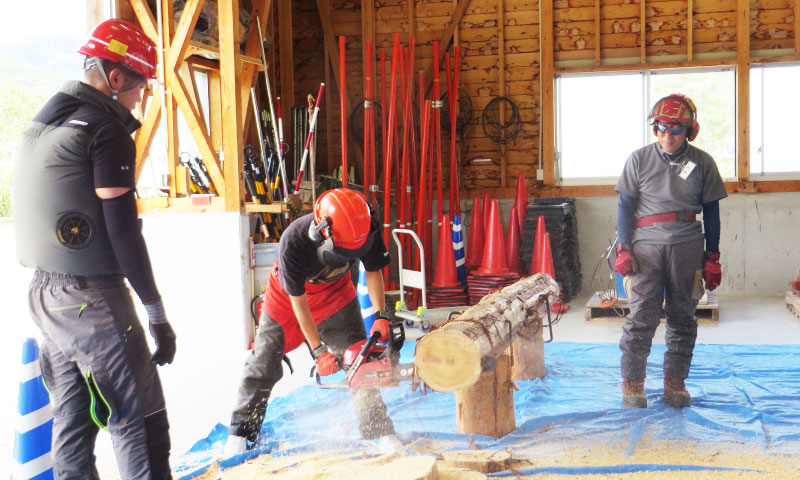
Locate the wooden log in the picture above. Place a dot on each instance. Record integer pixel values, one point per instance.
(483, 461)
(453, 355)
(487, 406)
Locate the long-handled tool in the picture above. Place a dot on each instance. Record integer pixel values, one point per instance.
(368, 364)
(272, 111)
(310, 135)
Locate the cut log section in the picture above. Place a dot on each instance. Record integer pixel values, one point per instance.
(528, 352)
(483, 461)
(453, 355)
(487, 406)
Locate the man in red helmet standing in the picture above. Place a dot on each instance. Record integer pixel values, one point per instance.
(76, 223)
(664, 249)
(310, 297)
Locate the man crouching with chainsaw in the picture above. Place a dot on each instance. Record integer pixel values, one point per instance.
(310, 296)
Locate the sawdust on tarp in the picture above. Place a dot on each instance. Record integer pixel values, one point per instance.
(752, 463)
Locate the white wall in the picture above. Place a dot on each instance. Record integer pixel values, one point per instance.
(759, 240)
(201, 263)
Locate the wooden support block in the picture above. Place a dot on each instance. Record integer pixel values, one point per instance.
(487, 407)
(182, 181)
(528, 352)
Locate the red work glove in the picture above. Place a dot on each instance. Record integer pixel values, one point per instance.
(712, 270)
(381, 324)
(327, 364)
(626, 263)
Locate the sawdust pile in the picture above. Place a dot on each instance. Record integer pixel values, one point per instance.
(750, 462)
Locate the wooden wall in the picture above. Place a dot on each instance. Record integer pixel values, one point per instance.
(676, 33)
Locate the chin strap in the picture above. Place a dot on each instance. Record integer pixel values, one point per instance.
(95, 62)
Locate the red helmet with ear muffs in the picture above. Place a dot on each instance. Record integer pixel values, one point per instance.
(123, 42)
(676, 108)
(342, 226)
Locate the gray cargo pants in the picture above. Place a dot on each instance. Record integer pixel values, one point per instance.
(94, 354)
(263, 369)
(678, 270)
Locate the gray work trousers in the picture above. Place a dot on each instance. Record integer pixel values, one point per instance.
(676, 270)
(96, 363)
(263, 369)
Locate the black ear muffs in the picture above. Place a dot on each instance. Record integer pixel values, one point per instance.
(329, 254)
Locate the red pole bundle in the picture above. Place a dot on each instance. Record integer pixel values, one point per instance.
(343, 109)
(369, 124)
(437, 130)
(452, 137)
(423, 212)
(307, 147)
(382, 56)
(427, 185)
(454, 113)
(387, 162)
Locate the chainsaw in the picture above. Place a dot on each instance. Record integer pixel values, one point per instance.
(369, 364)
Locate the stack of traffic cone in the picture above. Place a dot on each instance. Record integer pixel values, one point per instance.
(521, 200)
(494, 273)
(538, 245)
(446, 290)
(546, 266)
(458, 249)
(34, 429)
(476, 237)
(367, 309)
(513, 242)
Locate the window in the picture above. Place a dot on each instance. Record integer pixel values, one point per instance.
(774, 103)
(601, 119)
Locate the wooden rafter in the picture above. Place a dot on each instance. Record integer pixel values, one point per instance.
(260, 11)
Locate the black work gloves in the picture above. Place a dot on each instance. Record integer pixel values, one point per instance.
(162, 333)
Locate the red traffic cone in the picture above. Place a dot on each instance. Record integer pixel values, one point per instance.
(486, 205)
(495, 261)
(538, 243)
(513, 242)
(521, 200)
(546, 260)
(476, 236)
(446, 275)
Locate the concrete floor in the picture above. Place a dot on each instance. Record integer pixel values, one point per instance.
(743, 320)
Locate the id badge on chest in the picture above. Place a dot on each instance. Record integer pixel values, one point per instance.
(686, 169)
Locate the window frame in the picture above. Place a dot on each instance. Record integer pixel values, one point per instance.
(646, 74)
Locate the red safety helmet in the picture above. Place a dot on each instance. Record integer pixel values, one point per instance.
(342, 225)
(125, 43)
(676, 108)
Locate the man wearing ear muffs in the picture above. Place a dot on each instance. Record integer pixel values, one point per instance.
(664, 249)
(310, 297)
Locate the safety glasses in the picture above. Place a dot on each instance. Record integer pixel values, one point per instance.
(673, 128)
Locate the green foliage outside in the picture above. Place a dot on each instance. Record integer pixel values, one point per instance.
(18, 104)
(713, 94)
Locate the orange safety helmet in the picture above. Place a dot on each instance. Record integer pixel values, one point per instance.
(125, 43)
(342, 226)
(676, 108)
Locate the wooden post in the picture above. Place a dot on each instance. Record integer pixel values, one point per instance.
(487, 407)
(689, 31)
(547, 127)
(597, 32)
(453, 356)
(642, 39)
(528, 352)
(743, 90)
(232, 138)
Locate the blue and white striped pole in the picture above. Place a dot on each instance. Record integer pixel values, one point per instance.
(458, 249)
(34, 424)
(367, 310)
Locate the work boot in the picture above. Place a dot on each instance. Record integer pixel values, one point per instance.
(633, 394)
(675, 393)
(234, 445)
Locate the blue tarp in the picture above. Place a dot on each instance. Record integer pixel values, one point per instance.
(740, 393)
